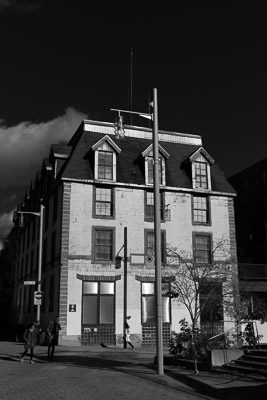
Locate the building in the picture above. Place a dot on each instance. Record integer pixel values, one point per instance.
(250, 204)
(251, 213)
(98, 230)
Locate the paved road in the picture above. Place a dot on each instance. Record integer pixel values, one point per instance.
(115, 374)
(95, 373)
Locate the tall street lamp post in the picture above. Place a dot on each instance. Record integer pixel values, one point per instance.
(119, 132)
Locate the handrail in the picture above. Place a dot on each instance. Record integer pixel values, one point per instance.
(233, 328)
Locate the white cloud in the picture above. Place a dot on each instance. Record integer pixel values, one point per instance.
(23, 147)
(20, 8)
(6, 223)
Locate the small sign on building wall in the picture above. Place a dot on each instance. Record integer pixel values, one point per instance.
(72, 307)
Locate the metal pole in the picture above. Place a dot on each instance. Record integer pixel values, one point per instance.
(125, 287)
(157, 234)
(39, 276)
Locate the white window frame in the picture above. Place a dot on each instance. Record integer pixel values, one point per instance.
(163, 155)
(201, 156)
(106, 144)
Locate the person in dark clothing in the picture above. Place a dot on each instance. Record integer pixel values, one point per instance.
(30, 338)
(52, 333)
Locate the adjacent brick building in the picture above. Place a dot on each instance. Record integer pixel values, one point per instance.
(250, 185)
(98, 197)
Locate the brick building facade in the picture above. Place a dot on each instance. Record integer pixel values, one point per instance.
(97, 193)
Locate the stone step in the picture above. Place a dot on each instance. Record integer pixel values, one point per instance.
(251, 358)
(246, 370)
(235, 373)
(252, 364)
(258, 353)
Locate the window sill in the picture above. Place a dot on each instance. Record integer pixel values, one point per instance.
(103, 217)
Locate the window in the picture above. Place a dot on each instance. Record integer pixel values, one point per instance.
(150, 244)
(98, 303)
(200, 210)
(149, 304)
(103, 244)
(201, 163)
(103, 202)
(105, 158)
(211, 302)
(149, 206)
(105, 165)
(202, 249)
(201, 176)
(150, 167)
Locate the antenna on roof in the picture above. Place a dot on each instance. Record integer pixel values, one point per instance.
(131, 86)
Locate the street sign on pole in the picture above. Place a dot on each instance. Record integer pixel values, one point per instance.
(38, 298)
(29, 282)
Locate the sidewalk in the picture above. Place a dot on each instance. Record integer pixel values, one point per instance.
(211, 384)
(140, 362)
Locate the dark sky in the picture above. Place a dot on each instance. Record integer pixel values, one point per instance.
(62, 61)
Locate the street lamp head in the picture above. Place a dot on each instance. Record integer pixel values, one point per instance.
(119, 127)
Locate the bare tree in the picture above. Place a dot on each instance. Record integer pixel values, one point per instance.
(198, 285)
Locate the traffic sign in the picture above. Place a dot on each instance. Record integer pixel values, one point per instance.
(38, 298)
(29, 282)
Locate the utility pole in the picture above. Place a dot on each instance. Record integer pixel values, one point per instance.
(157, 233)
(119, 131)
(125, 287)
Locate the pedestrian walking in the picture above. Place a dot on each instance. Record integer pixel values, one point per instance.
(127, 335)
(52, 335)
(30, 338)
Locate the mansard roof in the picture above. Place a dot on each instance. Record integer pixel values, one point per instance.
(59, 151)
(130, 162)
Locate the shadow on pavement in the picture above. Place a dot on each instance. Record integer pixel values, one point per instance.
(238, 392)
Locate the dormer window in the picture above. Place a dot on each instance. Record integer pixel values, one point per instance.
(105, 159)
(201, 162)
(149, 165)
(105, 165)
(201, 174)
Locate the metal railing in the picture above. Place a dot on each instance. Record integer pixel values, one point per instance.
(235, 337)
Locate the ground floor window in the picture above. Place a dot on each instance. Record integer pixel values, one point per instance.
(98, 303)
(149, 304)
